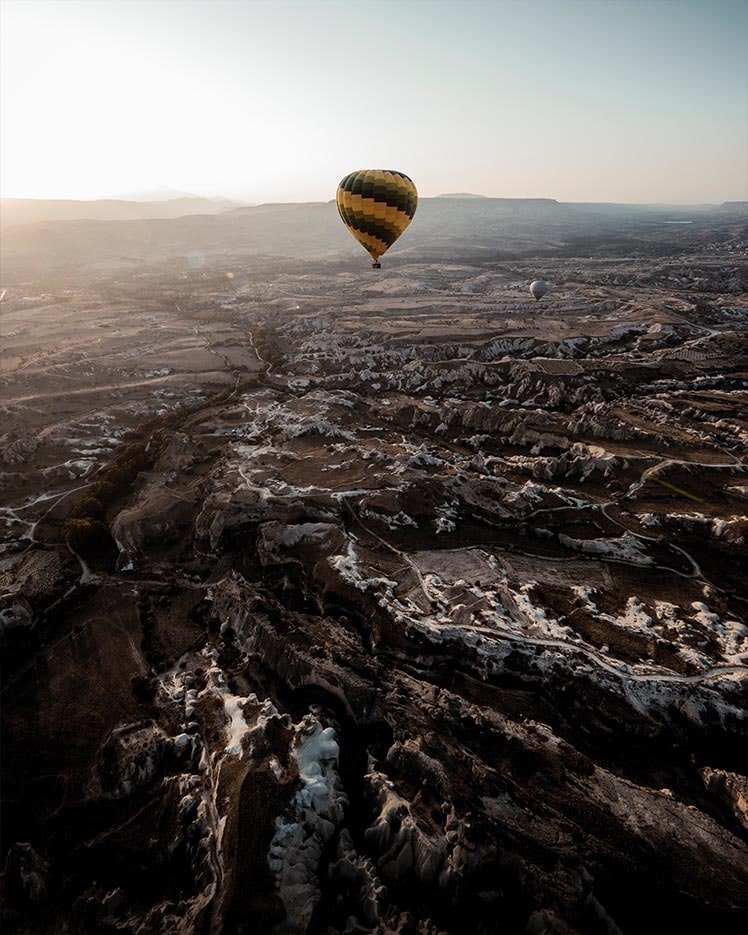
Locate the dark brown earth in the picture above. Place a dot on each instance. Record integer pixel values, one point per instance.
(340, 602)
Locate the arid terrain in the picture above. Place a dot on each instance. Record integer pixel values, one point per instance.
(347, 601)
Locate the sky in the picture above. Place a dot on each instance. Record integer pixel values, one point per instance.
(579, 100)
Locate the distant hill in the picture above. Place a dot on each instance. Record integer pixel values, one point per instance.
(460, 195)
(15, 211)
(276, 206)
(470, 229)
(442, 227)
(736, 208)
(165, 193)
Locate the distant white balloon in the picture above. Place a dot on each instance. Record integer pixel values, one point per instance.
(538, 288)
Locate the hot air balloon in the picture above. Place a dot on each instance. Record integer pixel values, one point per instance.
(376, 206)
(538, 288)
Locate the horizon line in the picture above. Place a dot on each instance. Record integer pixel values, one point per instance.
(456, 196)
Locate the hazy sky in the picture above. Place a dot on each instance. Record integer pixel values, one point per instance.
(580, 100)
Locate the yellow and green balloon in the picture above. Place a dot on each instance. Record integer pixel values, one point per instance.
(376, 206)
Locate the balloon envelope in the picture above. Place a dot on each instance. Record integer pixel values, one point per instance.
(538, 288)
(376, 206)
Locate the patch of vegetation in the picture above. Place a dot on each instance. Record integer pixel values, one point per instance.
(86, 530)
(88, 537)
(116, 480)
(144, 688)
(269, 344)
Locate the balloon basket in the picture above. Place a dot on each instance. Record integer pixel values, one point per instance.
(376, 265)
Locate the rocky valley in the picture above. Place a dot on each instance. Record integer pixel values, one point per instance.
(346, 601)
